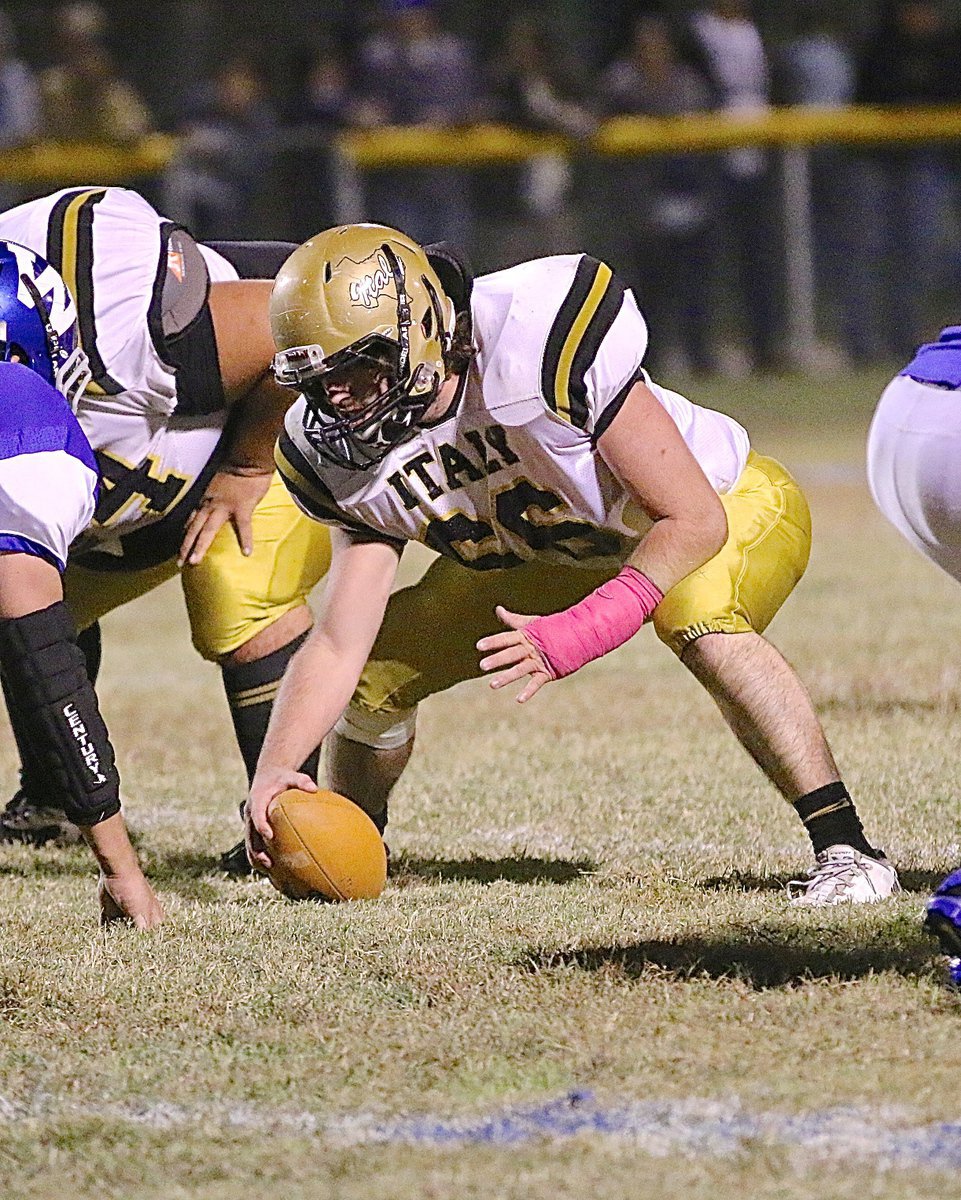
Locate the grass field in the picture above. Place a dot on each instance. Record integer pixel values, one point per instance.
(583, 977)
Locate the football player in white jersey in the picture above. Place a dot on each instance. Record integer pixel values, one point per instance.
(515, 431)
(48, 487)
(182, 412)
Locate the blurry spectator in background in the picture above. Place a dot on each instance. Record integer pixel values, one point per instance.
(212, 183)
(816, 64)
(19, 96)
(322, 105)
(19, 102)
(84, 99)
(538, 84)
(726, 44)
(914, 57)
(415, 72)
(816, 67)
(666, 200)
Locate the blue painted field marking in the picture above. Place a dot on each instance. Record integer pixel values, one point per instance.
(683, 1127)
(694, 1128)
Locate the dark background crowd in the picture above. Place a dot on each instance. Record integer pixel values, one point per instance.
(258, 93)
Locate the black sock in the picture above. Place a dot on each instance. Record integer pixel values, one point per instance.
(831, 819)
(251, 688)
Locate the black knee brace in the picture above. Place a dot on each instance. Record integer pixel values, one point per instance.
(32, 772)
(57, 711)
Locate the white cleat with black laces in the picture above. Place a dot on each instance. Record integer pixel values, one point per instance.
(843, 875)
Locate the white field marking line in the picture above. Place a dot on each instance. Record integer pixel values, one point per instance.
(879, 1136)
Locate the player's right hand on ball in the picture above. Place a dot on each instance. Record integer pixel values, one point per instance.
(268, 783)
(128, 897)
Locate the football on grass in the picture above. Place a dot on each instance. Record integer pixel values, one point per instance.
(325, 848)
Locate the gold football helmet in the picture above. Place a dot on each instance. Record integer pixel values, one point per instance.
(361, 296)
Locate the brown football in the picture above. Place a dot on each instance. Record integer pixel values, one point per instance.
(325, 847)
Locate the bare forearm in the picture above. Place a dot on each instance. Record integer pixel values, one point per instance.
(256, 422)
(672, 549)
(111, 846)
(316, 689)
(646, 451)
(324, 672)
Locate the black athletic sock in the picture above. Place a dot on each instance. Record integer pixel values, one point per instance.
(251, 688)
(831, 819)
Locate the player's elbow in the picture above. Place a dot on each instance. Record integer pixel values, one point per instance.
(713, 528)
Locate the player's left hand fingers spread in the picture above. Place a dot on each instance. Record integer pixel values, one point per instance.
(511, 654)
(514, 620)
(203, 527)
(537, 681)
(525, 667)
(229, 497)
(500, 641)
(191, 529)
(243, 527)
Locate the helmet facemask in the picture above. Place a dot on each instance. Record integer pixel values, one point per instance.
(39, 328)
(394, 392)
(71, 367)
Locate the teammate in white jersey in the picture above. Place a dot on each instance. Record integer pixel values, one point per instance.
(182, 413)
(48, 486)
(522, 439)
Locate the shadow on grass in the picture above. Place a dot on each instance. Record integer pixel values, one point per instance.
(759, 960)
(190, 864)
(41, 863)
(186, 872)
(406, 870)
(192, 874)
(923, 882)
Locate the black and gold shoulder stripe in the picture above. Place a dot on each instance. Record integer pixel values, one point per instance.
(588, 312)
(70, 250)
(311, 493)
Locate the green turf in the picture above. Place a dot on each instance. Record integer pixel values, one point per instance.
(589, 895)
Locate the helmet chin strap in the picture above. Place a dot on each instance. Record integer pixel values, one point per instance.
(72, 375)
(53, 342)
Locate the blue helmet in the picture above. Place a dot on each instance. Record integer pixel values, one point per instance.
(38, 321)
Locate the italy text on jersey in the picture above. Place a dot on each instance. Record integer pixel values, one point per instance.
(514, 471)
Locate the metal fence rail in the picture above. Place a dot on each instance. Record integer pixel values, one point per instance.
(792, 132)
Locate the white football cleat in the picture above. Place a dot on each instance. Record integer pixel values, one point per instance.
(844, 875)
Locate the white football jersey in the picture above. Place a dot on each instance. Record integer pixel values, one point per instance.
(128, 268)
(513, 472)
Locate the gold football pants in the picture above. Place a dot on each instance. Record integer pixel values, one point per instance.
(427, 642)
(229, 596)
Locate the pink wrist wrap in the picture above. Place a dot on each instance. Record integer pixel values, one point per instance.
(598, 624)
